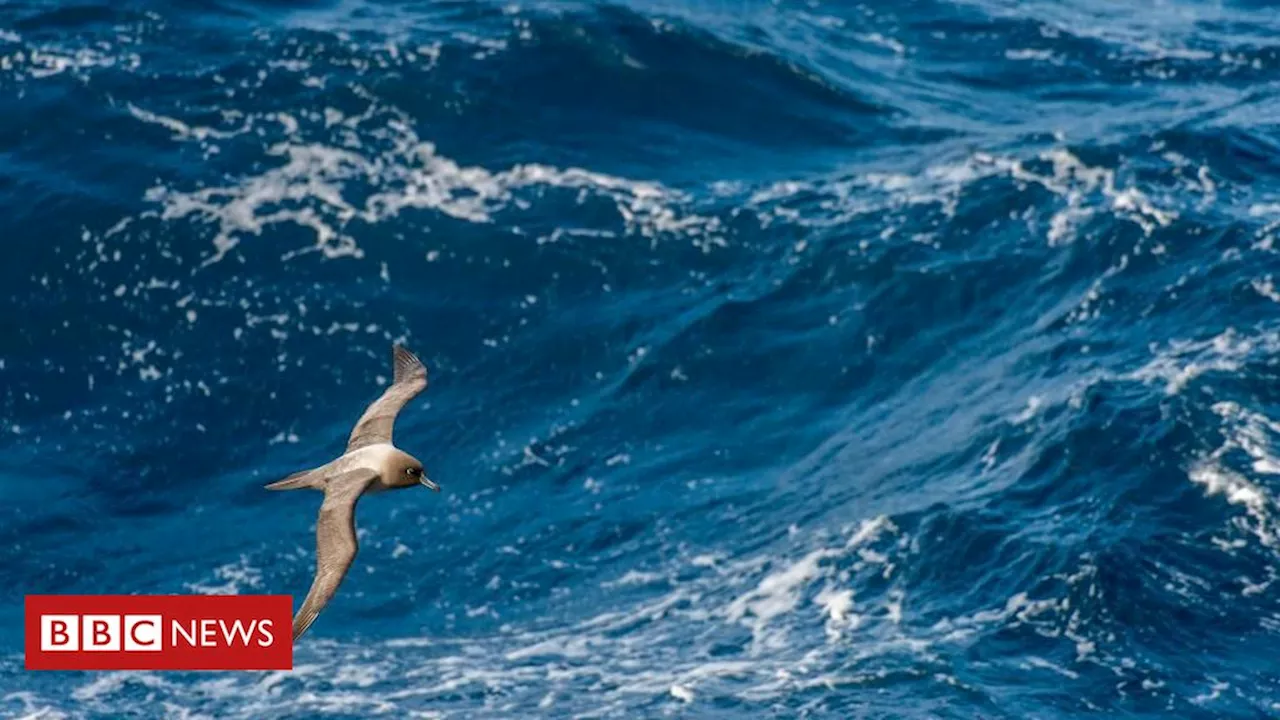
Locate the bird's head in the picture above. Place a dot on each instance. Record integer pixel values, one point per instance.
(406, 470)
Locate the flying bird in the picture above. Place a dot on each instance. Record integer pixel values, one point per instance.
(371, 463)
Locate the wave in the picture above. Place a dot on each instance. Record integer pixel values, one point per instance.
(779, 354)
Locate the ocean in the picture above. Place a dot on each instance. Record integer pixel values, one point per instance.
(788, 358)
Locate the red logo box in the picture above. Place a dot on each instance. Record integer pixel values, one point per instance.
(159, 632)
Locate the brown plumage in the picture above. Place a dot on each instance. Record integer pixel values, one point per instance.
(371, 463)
(375, 425)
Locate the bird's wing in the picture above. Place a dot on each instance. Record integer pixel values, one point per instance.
(376, 423)
(335, 543)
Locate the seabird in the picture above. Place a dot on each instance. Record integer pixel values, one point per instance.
(371, 463)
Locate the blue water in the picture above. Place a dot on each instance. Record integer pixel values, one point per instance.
(788, 359)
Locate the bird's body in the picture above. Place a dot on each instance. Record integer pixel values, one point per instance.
(381, 458)
(371, 463)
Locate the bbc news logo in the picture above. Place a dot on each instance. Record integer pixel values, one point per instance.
(146, 633)
(159, 632)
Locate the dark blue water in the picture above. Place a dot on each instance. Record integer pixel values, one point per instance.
(788, 359)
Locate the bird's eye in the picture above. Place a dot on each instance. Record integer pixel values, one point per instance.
(411, 471)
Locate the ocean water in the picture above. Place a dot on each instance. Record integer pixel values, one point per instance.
(790, 359)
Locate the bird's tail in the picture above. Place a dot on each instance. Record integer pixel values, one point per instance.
(305, 479)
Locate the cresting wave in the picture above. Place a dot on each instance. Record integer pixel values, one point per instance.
(408, 174)
(787, 360)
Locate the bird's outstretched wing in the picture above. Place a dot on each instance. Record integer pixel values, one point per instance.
(335, 543)
(376, 423)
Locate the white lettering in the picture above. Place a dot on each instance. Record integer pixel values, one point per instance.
(237, 628)
(100, 632)
(142, 632)
(179, 629)
(59, 632)
(264, 629)
(209, 632)
(217, 632)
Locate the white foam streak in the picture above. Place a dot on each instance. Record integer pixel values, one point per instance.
(311, 187)
(1251, 433)
(1182, 361)
(1075, 182)
(181, 130)
(778, 594)
(1085, 190)
(40, 63)
(33, 708)
(235, 578)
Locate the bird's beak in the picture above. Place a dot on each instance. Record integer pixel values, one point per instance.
(427, 482)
